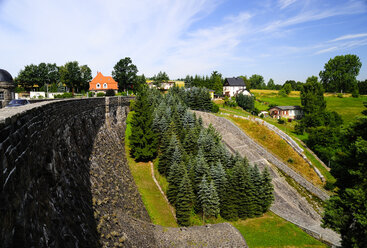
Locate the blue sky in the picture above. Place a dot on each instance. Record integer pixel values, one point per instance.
(279, 39)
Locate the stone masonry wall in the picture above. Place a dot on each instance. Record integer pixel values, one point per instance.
(45, 189)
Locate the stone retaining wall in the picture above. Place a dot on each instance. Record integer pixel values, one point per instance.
(45, 189)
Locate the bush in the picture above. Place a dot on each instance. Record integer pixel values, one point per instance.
(245, 102)
(100, 94)
(91, 94)
(281, 121)
(299, 128)
(355, 93)
(283, 93)
(290, 160)
(329, 185)
(215, 108)
(110, 92)
(340, 95)
(230, 102)
(64, 95)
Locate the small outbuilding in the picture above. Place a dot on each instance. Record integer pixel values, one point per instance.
(289, 112)
(234, 86)
(6, 88)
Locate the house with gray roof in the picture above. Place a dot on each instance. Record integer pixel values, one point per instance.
(289, 112)
(234, 86)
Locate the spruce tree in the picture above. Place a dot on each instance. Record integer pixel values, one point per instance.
(165, 158)
(201, 169)
(267, 190)
(213, 208)
(143, 141)
(184, 201)
(219, 178)
(258, 192)
(175, 176)
(228, 208)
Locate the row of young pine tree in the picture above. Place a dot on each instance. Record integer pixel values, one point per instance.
(204, 178)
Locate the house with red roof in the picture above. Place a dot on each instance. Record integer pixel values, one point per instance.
(103, 83)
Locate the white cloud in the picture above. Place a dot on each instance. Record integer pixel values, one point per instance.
(285, 3)
(349, 36)
(99, 33)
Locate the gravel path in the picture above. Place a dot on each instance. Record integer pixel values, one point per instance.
(288, 204)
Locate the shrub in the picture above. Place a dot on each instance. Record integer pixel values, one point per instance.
(215, 108)
(283, 93)
(245, 102)
(100, 94)
(64, 95)
(281, 121)
(110, 92)
(290, 160)
(340, 95)
(91, 94)
(299, 128)
(355, 93)
(230, 102)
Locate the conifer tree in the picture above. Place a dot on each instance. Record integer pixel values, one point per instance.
(267, 190)
(175, 176)
(165, 158)
(190, 142)
(219, 178)
(143, 141)
(229, 205)
(201, 169)
(213, 208)
(184, 201)
(258, 193)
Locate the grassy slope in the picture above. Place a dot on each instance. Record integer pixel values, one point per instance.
(154, 202)
(277, 146)
(273, 231)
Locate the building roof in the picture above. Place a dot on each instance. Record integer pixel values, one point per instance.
(235, 81)
(111, 83)
(288, 107)
(5, 76)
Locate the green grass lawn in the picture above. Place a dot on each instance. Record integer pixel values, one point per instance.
(273, 231)
(348, 107)
(157, 207)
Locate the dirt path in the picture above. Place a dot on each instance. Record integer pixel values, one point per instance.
(288, 204)
(160, 190)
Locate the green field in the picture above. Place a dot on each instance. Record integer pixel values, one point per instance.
(273, 231)
(348, 107)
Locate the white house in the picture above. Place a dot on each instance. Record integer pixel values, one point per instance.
(234, 86)
(289, 112)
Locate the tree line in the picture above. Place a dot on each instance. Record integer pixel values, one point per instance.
(204, 178)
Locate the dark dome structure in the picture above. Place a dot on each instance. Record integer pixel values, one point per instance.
(5, 76)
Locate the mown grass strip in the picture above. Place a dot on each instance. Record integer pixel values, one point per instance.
(154, 202)
(287, 128)
(272, 231)
(277, 146)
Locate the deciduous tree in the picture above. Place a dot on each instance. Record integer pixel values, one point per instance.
(340, 72)
(124, 72)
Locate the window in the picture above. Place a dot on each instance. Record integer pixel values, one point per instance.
(104, 86)
(98, 86)
(1, 95)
